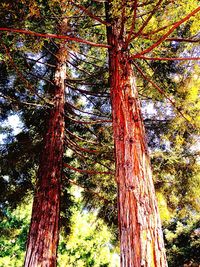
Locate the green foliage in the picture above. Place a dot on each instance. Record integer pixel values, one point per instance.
(89, 243)
(13, 229)
(183, 243)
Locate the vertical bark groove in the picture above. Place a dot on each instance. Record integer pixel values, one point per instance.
(141, 240)
(44, 230)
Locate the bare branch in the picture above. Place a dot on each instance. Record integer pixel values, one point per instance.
(80, 148)
(39, 62)
(40, 78)
(147, 20)
(164, 37)
(132, 24)
(71, 146)
(55, 36)
(148, 34)
(79, 69)
(25, 81)
(80, 138)
(18, 102)
(175, 39)
(80, 59)
(89, 122)
(85, 171)
(82, 156)
(86, 112)
(88, 56)
(87, 92)
(167, 58)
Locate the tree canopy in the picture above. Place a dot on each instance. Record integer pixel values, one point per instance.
(159, 37)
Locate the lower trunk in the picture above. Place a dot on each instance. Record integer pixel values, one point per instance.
(141, 239)
(44, 230)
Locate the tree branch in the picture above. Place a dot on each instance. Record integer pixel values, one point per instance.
(123, 17)
(79, 69)
(164, 37)
(70, 145)
(85, 171)
(147, 20)
(88, 122)
(167, 58)
(148, 34)
(39, 62)
(86, 112)
(26, 82)
(80, 138)
(87, 92)
(91, 15)
(80, 59)
(84, 157)
(176, 39)
(89, 190)
(146, 3)
(55, 36)
(132, 24)
(80, 148)
(18, 102)
(160, 91)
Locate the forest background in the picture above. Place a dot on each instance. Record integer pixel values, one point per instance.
(168, 90)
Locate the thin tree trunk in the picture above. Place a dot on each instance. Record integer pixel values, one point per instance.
(44, 229)
(141, 239)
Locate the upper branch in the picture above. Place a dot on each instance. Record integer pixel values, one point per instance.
(164, 37)
(91, 15)
(148, 19)
(55, 36)
(168, 58)
(133, 23)
(123, 17)
(175, 39)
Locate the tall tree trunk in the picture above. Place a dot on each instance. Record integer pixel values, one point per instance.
(141, 239)
(44, 230)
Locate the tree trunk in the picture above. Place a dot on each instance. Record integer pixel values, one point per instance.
(141, 239)
(44, 229)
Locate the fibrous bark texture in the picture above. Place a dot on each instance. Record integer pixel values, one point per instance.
(141, 239)
(44, 230)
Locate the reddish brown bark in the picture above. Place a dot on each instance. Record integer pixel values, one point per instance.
(44, 230)
(55, 36)
(141, 240)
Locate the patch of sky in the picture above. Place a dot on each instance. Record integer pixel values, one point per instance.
(14, 123)
(158, 111)
(189, 64)
(196, 146)
(38, 60)
(6, 178)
